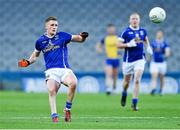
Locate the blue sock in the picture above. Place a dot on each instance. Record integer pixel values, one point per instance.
(68, 105)
(124, 93)
(54, 115)
(134, 101)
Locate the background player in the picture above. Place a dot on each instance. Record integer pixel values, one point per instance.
(133, 40)
(53, 44)
(112, 62)
(158, 66)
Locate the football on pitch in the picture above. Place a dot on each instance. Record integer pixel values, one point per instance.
(157, 15)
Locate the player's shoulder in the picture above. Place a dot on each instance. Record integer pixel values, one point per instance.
(154, 42)
(66, 36)
(41, 39)
(142, 29)
(61, 33)
(165, 42)
(126, 30)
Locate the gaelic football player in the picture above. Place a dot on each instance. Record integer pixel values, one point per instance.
(158, 65)
(53, 45)
(133, 40)
(110, 42)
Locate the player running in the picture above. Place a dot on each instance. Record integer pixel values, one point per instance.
(158, 66)
(53, 45)
(133, 40)
(110, 42)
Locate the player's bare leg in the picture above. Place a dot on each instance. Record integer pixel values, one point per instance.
(126, 82)
(53, 87)
(115, 76)
(109, 79)
(161, 83)
(154, 77)
(71, 82)
(137, 79)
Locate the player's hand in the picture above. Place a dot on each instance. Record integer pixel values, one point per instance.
(149, 50)
(132, 43)
(23, 63)
(84, 34)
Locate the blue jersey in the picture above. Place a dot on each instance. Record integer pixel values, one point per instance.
(54, 50)
(134, 53)
(159, 50)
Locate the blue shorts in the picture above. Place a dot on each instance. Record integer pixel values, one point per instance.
(113, 62)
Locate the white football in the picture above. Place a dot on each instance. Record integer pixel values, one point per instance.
(157, 15)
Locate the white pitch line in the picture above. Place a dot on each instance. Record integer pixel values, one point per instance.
(88, 117)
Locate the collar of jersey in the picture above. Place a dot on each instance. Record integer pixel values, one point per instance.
(45, 34)
(160, 41)
(133, 28)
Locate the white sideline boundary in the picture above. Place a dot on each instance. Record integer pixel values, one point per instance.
(89, 117)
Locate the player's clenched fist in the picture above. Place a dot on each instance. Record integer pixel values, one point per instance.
(23, 63)
(84, 34)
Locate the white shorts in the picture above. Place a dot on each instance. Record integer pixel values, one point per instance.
(158, 67)
(58, 74)
(129, 68)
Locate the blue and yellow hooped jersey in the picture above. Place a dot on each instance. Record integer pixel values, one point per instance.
(110, 42)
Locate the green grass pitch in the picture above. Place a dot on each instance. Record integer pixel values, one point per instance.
(31, 111)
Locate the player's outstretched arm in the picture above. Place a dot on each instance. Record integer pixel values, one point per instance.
(32, 59)
(80, 38)
(121, 45)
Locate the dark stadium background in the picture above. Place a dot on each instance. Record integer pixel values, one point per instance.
(22, 22)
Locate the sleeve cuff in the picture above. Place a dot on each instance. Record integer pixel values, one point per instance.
(121, 39)
(36, 50)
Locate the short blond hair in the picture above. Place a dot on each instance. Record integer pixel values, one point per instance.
(135, 13)
(50, 18)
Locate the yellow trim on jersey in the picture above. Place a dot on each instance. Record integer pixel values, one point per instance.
(110, 42)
